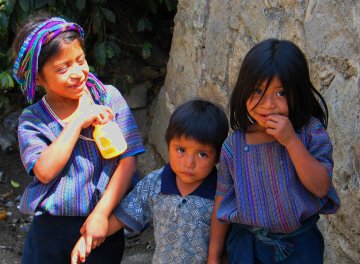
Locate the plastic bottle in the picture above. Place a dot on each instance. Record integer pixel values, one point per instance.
(109, 139)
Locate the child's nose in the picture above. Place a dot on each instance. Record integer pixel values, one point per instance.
(189, 161)
(77, 71)
(267, 100)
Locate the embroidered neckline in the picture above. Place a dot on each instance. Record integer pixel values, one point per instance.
(63, 124)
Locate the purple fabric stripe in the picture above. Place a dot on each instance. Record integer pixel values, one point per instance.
(77, 189)
(260, 186)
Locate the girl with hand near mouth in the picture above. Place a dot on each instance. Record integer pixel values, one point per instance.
(275, 169)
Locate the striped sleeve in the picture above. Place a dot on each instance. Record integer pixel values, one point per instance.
(319, 144)
(125, 119)
(32, 139)
(225, 181)
(320, 147)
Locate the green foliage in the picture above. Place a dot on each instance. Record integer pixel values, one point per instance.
(143, 24)
(6, 81)
(146, 50)
(154, 5)
(126, 82)
(114, 31)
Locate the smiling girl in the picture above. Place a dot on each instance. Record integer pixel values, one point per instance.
(73, 186)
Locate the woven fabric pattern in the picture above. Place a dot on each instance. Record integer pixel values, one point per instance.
(79, 186)
(260, 185)
(181, 224)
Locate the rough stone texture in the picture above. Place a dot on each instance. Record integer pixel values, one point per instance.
(210, 40)
(138, 95)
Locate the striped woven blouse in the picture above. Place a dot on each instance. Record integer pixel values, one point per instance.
(79, 186)
(260, 186)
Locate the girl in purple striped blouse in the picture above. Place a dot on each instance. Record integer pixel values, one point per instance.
(276, 167)
(73, 186)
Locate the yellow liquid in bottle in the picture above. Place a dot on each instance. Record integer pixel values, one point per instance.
(109, 139)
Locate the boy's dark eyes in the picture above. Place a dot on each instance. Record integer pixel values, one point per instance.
(281, 93)
(203, 155)
(180, 150)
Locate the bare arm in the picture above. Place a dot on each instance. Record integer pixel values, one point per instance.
(81, 251)
(95, 227)
(53, 159)
(117, 187)
(311, 172)
(218, 233)
(114, 225)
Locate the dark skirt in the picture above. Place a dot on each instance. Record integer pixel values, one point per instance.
(243, 247)
(52, 238)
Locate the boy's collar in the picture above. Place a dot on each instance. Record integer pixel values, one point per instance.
(206, 189)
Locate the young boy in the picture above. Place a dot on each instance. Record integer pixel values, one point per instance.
(179, 197)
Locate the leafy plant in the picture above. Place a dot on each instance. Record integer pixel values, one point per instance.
(114, 30)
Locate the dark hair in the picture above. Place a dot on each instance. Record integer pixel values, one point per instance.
(284, 59)
(50, 49)
(200, 120)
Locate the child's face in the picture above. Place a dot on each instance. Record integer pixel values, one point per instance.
(191, 161)
(273, 102)
(64, 75)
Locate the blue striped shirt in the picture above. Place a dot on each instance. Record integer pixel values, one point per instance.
(79, 186)
(260, 186)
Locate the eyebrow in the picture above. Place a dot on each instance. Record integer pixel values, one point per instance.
(208, 149)
(77, 57)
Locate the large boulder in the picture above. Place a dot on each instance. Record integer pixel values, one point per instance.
(209, 42)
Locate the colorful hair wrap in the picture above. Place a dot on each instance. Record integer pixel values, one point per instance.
(26, 64)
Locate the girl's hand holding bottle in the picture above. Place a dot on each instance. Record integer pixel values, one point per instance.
(54, 158)
(92, 114)
(107, 134)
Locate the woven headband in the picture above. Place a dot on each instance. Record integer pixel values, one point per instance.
(26, 64)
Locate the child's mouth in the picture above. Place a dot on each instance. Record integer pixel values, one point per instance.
(75, 86)
(188, 174)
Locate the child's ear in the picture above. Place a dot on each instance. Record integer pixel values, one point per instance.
(38, 80)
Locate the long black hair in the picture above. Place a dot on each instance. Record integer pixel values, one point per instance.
(284, 59)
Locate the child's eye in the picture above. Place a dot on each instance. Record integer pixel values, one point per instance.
(281, 93)
(257, 91)
(62, 69)
(82, 61)
(202, 155)
(180, 150)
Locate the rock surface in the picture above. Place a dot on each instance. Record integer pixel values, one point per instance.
(211, 38)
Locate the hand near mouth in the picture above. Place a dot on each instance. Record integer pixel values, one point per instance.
(280, 128)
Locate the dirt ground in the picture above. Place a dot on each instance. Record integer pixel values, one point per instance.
(13, 228)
